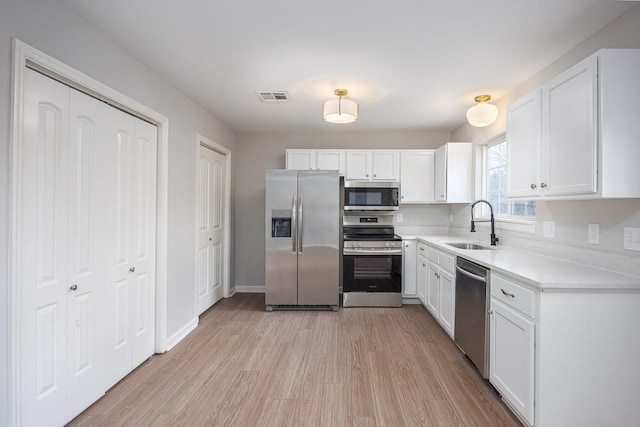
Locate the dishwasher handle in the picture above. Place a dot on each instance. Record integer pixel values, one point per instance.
(469, 274)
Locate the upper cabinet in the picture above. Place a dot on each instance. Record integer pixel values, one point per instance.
(576, 137)
(417, 176)
(383, 165)
(303, 159)
(454, 173)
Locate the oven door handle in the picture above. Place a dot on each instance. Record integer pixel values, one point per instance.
(358, 251)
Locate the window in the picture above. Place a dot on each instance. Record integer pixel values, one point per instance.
(495, 184)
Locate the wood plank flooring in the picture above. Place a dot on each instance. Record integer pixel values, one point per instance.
(357, 367)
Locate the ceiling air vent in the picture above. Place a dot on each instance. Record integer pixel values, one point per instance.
(280, 96)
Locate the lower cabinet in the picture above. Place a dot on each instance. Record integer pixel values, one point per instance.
(511, 357)
(421, 273)
(409, 271)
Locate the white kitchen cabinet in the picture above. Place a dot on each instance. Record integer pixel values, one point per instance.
(447, 302)
(433, 289)
(409, 271)
(417, 176)
(511, 357)
(454, 173)
(524, 130)
(421, 272)
(439, 275)
(580, 142)
(302, 159)
(383, 165)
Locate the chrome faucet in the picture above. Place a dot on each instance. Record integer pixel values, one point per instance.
(494, 239)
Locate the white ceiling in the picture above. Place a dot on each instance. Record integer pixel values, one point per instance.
(411, 64)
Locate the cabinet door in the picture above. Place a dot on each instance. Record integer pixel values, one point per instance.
(433, 289)
(330, 160)
(569, 123)
(301, 160)
(524, 129)
(409, 284)
(386, 165)
(417, 176)
(441, 174)
(511, 342)
(447, 301)
(358, 165)
(422, 280)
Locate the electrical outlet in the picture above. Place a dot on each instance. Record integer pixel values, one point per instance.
(593, 234)
(549, 229)
(399, 217)
(632, 238)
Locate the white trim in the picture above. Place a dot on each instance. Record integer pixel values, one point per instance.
(527, 226)
(182, 333)
(23, 53)
(206, 142)
(249, 289)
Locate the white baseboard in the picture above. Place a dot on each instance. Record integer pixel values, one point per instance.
(181, 334)
(250, 289)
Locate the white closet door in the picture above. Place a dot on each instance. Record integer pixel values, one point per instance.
(88, 145)
(210, 209)
(42, 273)
(131, 201)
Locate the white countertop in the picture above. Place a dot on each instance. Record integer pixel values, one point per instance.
(536, 270)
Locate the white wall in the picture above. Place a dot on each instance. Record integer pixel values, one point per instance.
(257, 152)
(53, 29)
(572, 217)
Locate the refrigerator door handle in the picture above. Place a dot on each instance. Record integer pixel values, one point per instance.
(294, 226)
(300, 215)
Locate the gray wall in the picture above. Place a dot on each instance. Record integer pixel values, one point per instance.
(257, 152)
(53, 29)
(572, 217)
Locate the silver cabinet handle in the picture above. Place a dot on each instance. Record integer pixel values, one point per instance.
(533, 186)
(132, 269)
(300, 230)
(507, 293)
(543, 185)
(294, 226)
(73, 287)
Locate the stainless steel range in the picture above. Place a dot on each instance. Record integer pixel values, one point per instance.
(372, 261)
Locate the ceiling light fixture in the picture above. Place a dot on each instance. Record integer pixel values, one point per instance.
(340, 110)
(482, 114)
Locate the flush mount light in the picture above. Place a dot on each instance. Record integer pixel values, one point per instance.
(482, 114)
(340, 110)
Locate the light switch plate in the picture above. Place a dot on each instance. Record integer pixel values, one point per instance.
(632, 238)
(399, 217)
(593, 234)
(549, 229)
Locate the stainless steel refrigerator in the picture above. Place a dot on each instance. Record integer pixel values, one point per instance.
(301, 240)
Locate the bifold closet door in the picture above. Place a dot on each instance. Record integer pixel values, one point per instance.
(61, 252)
(131, 197)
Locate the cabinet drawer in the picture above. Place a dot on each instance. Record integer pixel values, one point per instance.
(514, 295)
(447, 262)
(432, 254)
(422, 249)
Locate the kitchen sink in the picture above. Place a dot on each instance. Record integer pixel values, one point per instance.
(469, 246)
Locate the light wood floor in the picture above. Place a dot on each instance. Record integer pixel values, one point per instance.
(358, 367)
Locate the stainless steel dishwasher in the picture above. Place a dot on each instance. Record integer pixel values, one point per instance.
(471, 332)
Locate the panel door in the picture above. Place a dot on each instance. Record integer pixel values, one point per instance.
(433, 289)
(130, 291)
(570, 138)
(210, 212)
(511, 358)
(417, 176)
(330, 160)
(409, 269)
(318, 239)
(88, 147)
(422, 280)
(440, 193)
(301, 160)
(524, 138)
(386, 165)
(358, 165)
(44, 282)
(447, 301)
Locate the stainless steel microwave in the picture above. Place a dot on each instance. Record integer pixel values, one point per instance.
(371, 195)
